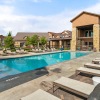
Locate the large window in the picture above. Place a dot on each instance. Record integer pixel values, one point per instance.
(88, 33)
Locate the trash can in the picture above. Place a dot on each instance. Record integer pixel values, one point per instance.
(96, 80)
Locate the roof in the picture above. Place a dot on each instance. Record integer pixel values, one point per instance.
(66, 34)
(21, 35)
(94, 14)
(1, 36)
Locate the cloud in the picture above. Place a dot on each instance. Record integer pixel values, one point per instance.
(95, 8)
(7, 1)
(36, 1)
(9, 21)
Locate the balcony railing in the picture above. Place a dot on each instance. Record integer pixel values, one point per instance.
(82, 37)
(85, 47)
(59, 46)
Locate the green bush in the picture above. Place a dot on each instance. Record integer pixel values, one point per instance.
(13, 50)
(66, 48)
(27, 49)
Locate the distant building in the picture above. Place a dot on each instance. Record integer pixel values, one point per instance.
(56, 40)
(59, 40)
(2, 39)
(20, 37)
(86, 31)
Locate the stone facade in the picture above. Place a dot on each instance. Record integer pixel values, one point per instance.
(96, 36)
(86, 21)
(74, 37)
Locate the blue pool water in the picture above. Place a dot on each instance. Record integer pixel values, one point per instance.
(24, 64)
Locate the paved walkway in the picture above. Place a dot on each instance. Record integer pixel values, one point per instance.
(67, 68)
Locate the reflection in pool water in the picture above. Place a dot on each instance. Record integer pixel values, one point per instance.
(20, 65)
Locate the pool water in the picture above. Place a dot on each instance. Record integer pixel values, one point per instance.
(24, 64)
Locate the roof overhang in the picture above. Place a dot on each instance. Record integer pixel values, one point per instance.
(84, 12)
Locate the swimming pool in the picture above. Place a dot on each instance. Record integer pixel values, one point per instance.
(24, 64)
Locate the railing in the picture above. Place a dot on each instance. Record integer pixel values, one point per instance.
(85, 47)
(85, 37)
(67, 47)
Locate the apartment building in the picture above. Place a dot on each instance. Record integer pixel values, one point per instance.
(86, 31)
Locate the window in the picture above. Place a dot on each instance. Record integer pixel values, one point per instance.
(90, 33)
(86, 43)
(90, 43)
(86, 34)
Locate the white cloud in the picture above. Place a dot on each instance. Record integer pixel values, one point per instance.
(95, 8)
(36, 1)
(29, 23)
(7, 1)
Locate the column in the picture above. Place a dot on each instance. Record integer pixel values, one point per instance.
(50, 44)
(60, 44)
(74, 39)
(96, 37)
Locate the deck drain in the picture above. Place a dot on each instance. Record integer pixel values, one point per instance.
(12, 79)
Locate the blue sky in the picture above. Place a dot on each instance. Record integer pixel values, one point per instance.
(42, 15)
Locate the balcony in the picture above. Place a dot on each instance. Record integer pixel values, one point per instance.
(87, 34)
(90, 37)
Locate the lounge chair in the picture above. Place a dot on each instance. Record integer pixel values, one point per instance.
(40, 95)
(11, 53)
(90, 65)
(95, 95)
(48, 50)
(3, 54)
(23, 51)
(74, 86)
(88, 71)
(96, 61)
(97, 58)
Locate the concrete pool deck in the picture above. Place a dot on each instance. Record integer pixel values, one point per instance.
(67, 69)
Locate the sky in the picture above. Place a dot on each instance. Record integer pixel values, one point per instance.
(42, 15)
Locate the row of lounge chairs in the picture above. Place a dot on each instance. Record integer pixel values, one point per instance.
(13, 53)
(86, 90)
(8, 52)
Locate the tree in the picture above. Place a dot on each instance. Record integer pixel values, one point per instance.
(43, 41)
(28, 41)
(35, 40)
(9, 34)
(8, 41)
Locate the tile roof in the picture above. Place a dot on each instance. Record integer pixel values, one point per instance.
(21, 35)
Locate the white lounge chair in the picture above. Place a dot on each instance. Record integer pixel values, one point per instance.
(97, 58)
(90, 65)
(40, 95)
(89, 71)
(96, 61)
(74, 86)
(12, 53)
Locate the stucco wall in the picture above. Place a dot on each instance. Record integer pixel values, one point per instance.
(85, 19)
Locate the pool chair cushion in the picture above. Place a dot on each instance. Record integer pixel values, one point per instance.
(89, 71)
(74, 86)
(95, 95)
(90, 65)
(40, 95)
